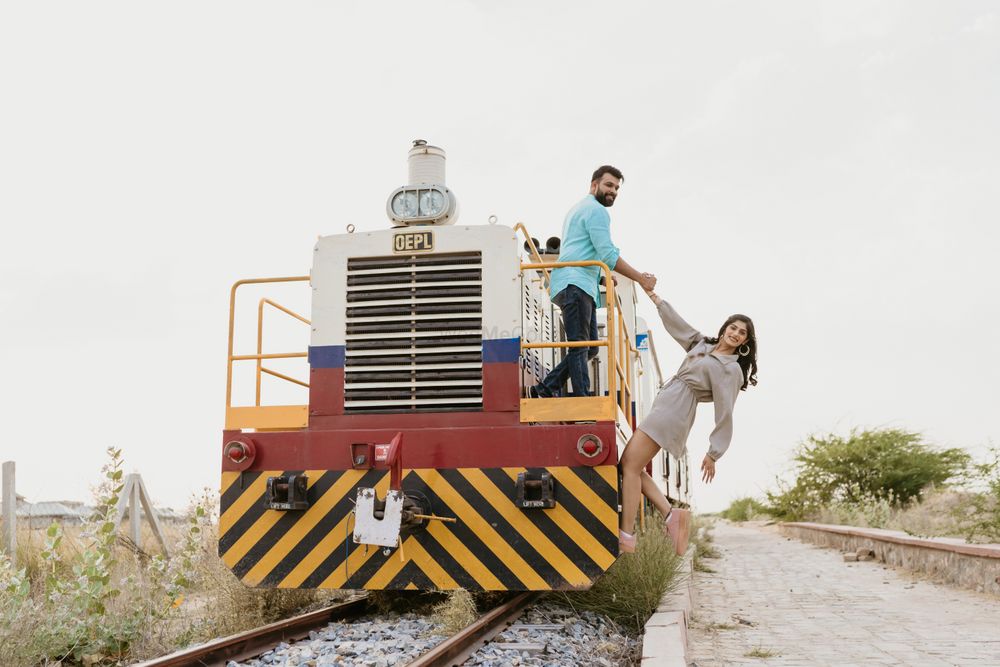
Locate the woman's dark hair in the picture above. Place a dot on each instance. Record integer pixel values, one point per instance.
(748, 362)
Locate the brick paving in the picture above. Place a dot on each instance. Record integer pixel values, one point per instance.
(808, 607)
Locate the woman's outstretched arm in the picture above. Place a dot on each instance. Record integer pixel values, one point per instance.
(682, 332)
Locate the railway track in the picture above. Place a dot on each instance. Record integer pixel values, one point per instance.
(452, 651)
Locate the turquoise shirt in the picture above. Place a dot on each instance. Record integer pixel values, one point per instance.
(586, 235)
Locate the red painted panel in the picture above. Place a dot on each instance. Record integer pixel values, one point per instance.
(326, 391)
(501, 387)
(435, 447)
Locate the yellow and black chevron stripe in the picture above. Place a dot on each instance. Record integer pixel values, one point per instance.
(493, 545)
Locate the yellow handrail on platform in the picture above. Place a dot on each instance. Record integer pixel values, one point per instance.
(597, 408)
(262, 417)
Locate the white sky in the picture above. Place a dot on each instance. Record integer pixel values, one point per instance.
(829, 168)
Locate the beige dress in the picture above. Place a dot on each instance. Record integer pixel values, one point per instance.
(704, 377)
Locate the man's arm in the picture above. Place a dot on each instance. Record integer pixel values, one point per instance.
(599, 229)
(646, 280)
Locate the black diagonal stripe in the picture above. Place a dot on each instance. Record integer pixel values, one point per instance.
(411, 573)
(606, 535)
(447, 561)
(468, 537)
(283, 525)
(360, 577)
(515, 539)
(249, 518)
(597, 484)
(347, 546)
(322, 528)
(551, 529)
(235, 490)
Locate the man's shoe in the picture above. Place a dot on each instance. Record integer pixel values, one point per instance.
(678, 528)
(533, 392)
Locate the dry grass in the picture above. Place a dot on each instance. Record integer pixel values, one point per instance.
(761, 652)
(631, 589)
(457, 611)
(941, 513)
(215, 604)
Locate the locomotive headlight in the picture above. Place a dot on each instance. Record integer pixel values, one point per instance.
(404, 204)
(431, 203)
(422, 204)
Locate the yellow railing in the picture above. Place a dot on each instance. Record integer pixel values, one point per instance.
(596, 408)
(262, 417)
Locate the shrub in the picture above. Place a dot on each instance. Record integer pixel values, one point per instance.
(891, 465)
(629, 592)
(743, 509)
(981, 519)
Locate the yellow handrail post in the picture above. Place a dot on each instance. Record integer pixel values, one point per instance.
(534, 250)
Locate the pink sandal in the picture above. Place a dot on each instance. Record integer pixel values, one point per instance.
(678, 527)
(626, 543)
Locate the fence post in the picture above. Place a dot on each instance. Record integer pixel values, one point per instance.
(9, 544)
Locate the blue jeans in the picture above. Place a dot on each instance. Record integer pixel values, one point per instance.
(579, 316)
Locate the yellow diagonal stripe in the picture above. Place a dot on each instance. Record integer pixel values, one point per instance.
(298, 532)
(246, 500)
(358, 556)
(610, 475)
(428, 565)
(573, 529)
(259, 528)
(607, 515)
(516, 518)
(330, 541)
(483, 530)
(464, 557)
(389, 569)
(227, 481)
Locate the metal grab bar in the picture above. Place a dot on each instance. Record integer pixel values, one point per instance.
(260, 344)
(230, 357)
(534, 250)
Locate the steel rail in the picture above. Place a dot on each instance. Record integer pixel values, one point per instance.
(254, 642)
(459, 647)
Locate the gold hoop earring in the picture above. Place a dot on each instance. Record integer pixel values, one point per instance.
(742, 353)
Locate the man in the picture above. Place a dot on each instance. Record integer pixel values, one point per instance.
(586, 235)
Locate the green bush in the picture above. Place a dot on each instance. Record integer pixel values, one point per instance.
(981, 518)
(890, 465)
(743, 509)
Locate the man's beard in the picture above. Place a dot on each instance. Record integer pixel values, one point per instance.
(603, 200)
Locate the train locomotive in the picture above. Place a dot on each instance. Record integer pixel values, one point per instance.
(418, 461)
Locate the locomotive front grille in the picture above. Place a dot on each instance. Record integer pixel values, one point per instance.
(414, 333)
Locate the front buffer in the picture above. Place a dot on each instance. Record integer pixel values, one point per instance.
(505, 528)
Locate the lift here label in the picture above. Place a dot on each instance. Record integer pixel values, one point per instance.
(413, 242)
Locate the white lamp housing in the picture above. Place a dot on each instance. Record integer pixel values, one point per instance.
(426, 200)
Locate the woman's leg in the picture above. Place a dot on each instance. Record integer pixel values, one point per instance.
(652, 491)
(639, 451)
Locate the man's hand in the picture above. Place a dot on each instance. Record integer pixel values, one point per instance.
(647, 281)
(707, 469)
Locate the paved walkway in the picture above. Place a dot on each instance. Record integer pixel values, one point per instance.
(805, 606)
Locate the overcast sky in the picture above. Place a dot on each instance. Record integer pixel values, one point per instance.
(829, 168)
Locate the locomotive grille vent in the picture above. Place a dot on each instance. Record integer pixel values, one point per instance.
(414, 334)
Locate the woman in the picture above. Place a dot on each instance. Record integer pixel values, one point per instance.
(715, 370)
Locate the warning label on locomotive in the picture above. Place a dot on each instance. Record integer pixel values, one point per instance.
(413, 242)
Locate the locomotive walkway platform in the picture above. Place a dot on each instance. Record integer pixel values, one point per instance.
(773, 600)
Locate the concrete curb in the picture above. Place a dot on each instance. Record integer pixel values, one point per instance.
(972, 566)
(664, 640)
